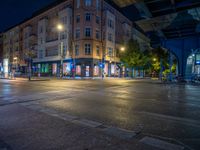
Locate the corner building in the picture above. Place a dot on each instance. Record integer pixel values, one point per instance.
(88, 45)
(93, 32)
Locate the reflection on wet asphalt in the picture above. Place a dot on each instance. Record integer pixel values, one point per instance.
(167, 110)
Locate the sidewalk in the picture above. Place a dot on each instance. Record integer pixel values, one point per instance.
(25, 129)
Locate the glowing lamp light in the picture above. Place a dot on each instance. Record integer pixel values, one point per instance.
(122, 49)
(60, 27)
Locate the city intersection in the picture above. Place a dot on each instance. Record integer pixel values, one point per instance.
(98, 114)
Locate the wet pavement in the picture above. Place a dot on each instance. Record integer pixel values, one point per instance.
(169, 112)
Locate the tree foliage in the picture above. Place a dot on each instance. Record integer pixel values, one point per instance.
(133, 56)
(153, 60)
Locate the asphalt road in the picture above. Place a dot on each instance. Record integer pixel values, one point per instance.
(166, 111)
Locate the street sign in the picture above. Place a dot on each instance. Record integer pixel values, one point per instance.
(101, 65)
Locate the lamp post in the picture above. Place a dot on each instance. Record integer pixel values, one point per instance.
(122, 49)
(16, 65)
(15, 62)
(60, 29)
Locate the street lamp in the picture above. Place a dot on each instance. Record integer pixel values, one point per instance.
(60, 28)
(122, 49)
(15, 62)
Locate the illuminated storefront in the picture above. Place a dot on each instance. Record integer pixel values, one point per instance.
(66, 69)
(87, 71)
(5, 67)
(197, 64)
(106, 69)
(78, 70)
(112, 69)
(96, 70)
(54, 68)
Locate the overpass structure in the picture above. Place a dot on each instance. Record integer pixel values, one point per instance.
(172, 24)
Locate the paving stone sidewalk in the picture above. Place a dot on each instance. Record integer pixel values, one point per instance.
(25, 129)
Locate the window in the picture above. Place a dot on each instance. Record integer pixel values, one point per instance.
(110, 51)
(78, 18)
(51, 51)
(77, 3)
(40, 53)
(87, 16)
(17, 48)
(87, 49)
(41, 29)
(77, 33)
(78, 70)
(88, 2)
(26, 35)
(110, 37)
(97, 50)
(97, 19)
(110, 23)
(41, 41)
(77, 50)
(64, 20)
(127, 33)
(97, 34)
(97, 4)
(26, 44)
(87, 32)
(63, 35)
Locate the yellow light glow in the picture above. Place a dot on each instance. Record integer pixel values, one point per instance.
(122, 49)
(60, 27)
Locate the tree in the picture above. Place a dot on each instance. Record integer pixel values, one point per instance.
(133, 57)
(29, 55)
(160, 62)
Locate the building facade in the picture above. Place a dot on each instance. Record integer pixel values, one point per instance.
(1, 53)
(88, 45)
(11, 50)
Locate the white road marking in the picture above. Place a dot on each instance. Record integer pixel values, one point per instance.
(173, 118)
(160, 144)
(88, 123)
(118, 132)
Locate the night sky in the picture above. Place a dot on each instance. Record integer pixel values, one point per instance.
(14, 11)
